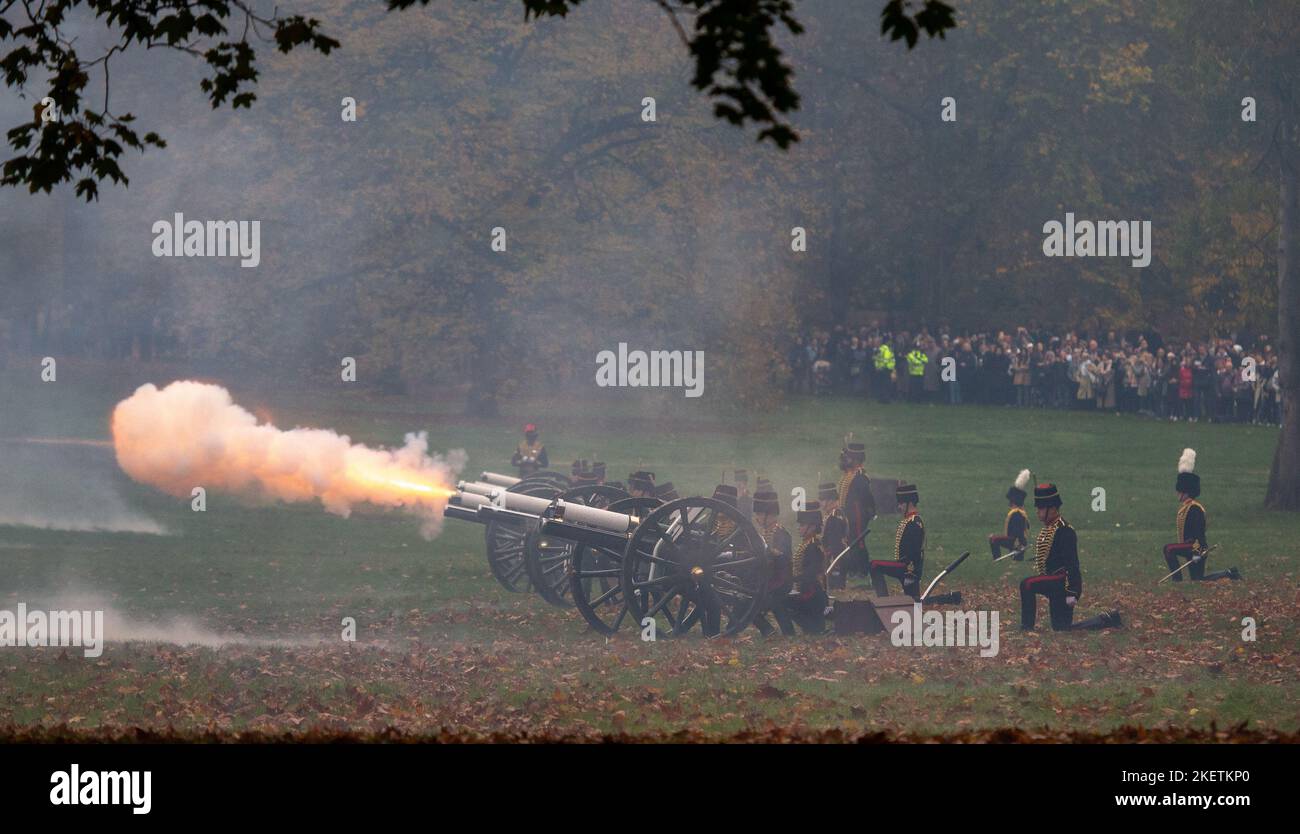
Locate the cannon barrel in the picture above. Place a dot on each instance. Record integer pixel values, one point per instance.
(594, 517)
(478, 487)
(497, 479)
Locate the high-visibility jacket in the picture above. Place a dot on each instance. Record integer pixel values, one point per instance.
(916, 362)
(884, 358)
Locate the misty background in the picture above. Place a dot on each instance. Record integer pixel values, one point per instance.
(375, 235)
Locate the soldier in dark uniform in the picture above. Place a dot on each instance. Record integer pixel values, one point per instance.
(909, 548)
(807, 603)
(834, 528)
(856, 503)
(909, 552)
(1190, 521)
(1015, 531)
(641, 484)
(1056, 558)
(530, 454)
(767, 511)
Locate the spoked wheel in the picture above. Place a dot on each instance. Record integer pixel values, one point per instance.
(554, 480)
(694, 561)
(596, 574)
(506, 542)
(546, 558)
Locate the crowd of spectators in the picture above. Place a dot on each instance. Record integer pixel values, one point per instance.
(1216, 379)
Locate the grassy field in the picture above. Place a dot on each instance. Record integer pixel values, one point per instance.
(440, 645)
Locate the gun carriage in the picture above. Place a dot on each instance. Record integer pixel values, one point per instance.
(693, 561)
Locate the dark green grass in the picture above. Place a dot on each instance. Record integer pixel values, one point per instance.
(292, 572)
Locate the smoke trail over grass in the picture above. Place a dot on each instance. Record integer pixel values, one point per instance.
(191, 434)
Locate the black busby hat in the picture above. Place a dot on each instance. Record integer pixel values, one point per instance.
(598, 469)
(766, 502)
(764, 483)
(726, 493)
(907, 493)
(1046, 495)
(579, 466)
(641, 481)
(666, 492)
(828, 491)
(1188, 482)
(810, 514)
(1020, 489)
(856, 452)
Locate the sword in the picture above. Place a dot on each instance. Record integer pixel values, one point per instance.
(1199, 557)
(837, 559)
(944, 573)
(1018, 551)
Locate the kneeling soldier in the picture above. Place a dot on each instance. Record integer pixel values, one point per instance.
(767, 511)
(1056, 558)
(1191, 544)
(807, 603)
(909, 547)
(834, 530)
(1015, 531)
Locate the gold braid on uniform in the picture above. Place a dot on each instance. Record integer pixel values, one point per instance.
(1043, 547)
(845, 481)
(723, 526)
(766, 533)
(1006, 527)
(529, 450)
(1182, 520)
(898, 538)
(796, 562)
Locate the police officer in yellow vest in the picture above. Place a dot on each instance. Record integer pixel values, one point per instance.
(883, 362)
(916, 360)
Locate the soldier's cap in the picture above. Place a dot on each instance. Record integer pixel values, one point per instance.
(764, 484)
(530, 428)
(598, 468)
(828, 491)
(641, 481)
(766, 502)
(810, 514)
(666, 491)
(907, 493)
(726, 493)
(855, 451)
(1046, 495)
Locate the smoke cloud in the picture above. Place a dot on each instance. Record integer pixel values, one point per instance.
(192, 434)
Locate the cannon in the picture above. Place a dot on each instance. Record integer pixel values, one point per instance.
(692, 561)
(506, 538)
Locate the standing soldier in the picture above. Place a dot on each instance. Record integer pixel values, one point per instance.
(1192, 543)
(807, 604)
(1056, 558)
(1015, 531)
(530, 454)
(833, 530)
(856, 502)
(767, 510)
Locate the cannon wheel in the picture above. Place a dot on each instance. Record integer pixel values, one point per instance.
(694, 560)
(596, 574)
(546, 558)
(506, 542)
(545, 477)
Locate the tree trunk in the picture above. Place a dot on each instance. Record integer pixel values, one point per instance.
(1284, 480)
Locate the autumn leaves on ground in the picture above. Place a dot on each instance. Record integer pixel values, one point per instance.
(441, 649)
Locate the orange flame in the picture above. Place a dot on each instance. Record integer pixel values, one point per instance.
(191, 434)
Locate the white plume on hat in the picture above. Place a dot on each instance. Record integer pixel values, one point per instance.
(1022, 480)
(1187, 461)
